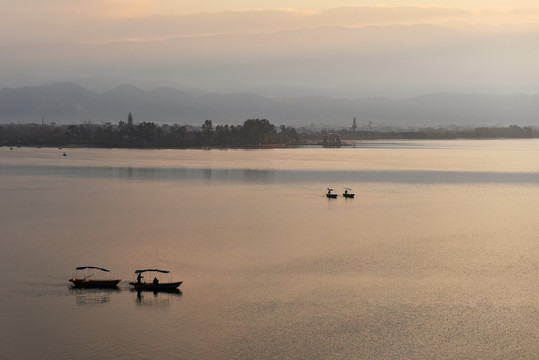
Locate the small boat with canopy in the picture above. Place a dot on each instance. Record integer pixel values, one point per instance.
(155, 284)
(347, 194)
(329, 195)
(85, 281)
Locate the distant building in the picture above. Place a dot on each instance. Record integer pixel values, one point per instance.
(354, 124)
(331, 140)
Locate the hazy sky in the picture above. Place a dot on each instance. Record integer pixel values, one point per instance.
(415, 46)
(113, 20)
(148, 7)
(184, 7)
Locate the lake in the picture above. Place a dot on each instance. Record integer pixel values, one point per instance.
(436, 257)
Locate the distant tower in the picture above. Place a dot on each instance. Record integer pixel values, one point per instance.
(354, 124)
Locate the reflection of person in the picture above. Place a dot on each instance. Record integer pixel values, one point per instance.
(139, 278)
(155, 281)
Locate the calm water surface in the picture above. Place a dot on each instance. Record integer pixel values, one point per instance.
(436, 257)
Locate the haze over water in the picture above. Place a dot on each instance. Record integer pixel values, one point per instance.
(435, 258)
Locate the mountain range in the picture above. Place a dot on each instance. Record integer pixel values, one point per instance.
(70, 103)
(336, 61)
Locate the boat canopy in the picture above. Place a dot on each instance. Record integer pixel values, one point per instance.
(157, 270)
(91, 267)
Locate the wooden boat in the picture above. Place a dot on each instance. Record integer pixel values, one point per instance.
(348, 195)
(155, 285)
(96, 283)
(329, 195)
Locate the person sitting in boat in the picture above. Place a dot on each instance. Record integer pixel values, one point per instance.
(346, 192)
(155, 281)
(139, 278)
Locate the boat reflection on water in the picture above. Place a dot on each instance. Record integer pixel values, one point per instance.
(92, 296)
(155, 299)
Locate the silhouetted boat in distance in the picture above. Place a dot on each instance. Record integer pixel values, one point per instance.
(96, 283)
(348, 195)
(330, 195)
(155, 285)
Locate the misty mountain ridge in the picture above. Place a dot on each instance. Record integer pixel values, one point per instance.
(69, 103)
(334, 61)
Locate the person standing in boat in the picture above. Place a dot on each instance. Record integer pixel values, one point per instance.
(139, 278)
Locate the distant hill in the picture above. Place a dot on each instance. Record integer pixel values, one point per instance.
(69, 103)
(335, 61)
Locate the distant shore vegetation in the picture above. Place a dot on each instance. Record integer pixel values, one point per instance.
(254, 133)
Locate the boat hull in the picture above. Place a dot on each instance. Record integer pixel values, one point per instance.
(95, 283)
(350, 196)
(156, 287)
(331, 196)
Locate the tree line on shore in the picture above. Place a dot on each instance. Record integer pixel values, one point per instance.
(127, 134)
(254, 133)
(495, 132)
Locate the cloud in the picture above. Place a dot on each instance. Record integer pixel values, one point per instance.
(118, 20)
(66, 9)
(125, 8)
(377, 15)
